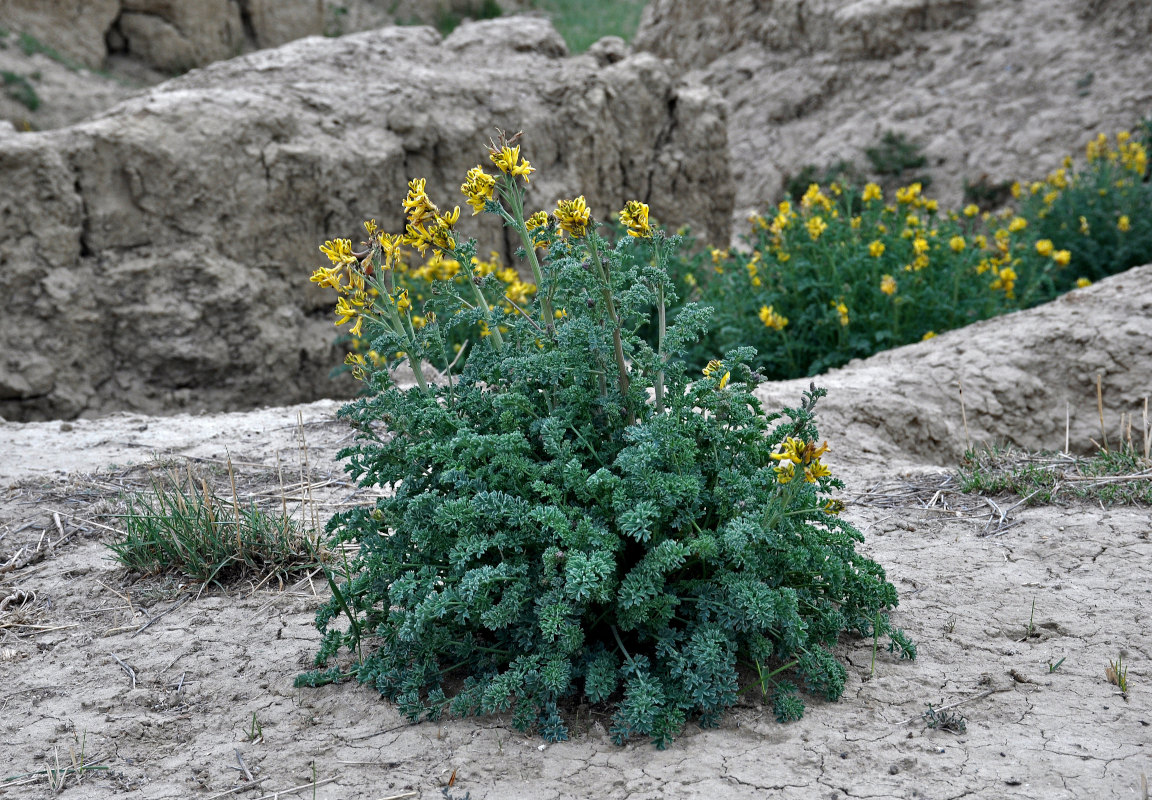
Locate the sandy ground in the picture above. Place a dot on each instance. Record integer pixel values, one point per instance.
(202, 667)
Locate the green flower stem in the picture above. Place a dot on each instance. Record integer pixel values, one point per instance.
(398, 327)
(382, 281)
(610, 304)
(482, 301)
(662, 325)
(515, 197)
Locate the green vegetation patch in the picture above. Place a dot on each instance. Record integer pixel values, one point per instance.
(20, 89)
(583, 22)
(1111, 477)
(182, 526)
(576, 515)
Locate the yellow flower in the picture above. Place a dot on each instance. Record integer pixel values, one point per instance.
(477, 187)
(816, 226)
(912, 220)
(560, 313)
(370, 227)
(1044, 247)
(920, 245)
(1018, 224)
(842, 310)
(358, 327)
(772, 319)
(1082, 283)
(881, 228)
(872, 192)
(814, 197)
(1051, 197)
(876, 249)
(908, 194)
(339, 252)
(855, 223)
(507, 160)
(981, 241)
(714, 368)
(957, 244)
(328, 278)
(402, 301)
(928, 335)
(634, 217)
(785, 472)
(931, 206)
(816, 470)
(971, 210)
(537, 220)
(921, 262)
(1084, 229)
(1006, 281)
(1124, 224)
(1016, 190)
(888, 285)
(573, 216)
(833, 506)
(1062, 257)
(344, 311)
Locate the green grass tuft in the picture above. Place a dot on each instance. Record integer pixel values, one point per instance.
(20, 89)
(190, 530)
(1116, 477)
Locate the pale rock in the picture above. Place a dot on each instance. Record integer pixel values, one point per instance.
(992, 90)
(157, 256)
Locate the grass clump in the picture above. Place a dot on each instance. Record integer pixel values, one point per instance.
(186, 528)
(584, 22)
(847, 271)
(576, 515)
(20, 89)
(1111, 477)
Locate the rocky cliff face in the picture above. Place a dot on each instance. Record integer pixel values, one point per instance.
(156, 256)
(178, 35)
(991, 90)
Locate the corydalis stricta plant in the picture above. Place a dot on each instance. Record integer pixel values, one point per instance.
(575, 515)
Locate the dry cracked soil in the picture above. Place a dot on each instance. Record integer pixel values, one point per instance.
(163, 691)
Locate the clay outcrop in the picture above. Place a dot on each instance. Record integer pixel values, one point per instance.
(156, 256)
(992, 91)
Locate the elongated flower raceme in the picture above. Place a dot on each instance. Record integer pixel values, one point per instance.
(507, 160)
(477, 187)
(573, 216)
(634, 217)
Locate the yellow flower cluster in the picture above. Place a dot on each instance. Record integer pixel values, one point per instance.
(888, 285)
(842, 310)
(772, 319)
(798, 453)
(634, 217)
(426, 225)
(477, 187)
(353, 295)
(1130, 154)
(715, 367)
(507, 160)
(573, 216)
(814, 198)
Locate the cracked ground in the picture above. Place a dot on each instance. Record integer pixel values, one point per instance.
(202, 697)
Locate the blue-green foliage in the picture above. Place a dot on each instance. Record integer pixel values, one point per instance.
(550, 538)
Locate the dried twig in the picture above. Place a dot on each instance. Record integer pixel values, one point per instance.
(131, 672)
